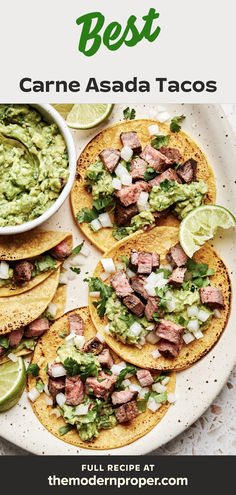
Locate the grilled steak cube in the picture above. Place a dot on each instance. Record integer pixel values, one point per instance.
(22, 272)
(176, 256)
(129, 195)
(76, 324)
(105, 358)
(170, 331)
(159, 215)
(134, 304)
(124, 214)
(74, 390)
(101, 389)
(144, 263)
(121, 285)
(127, 412)
(134, 258)
(177, 276)
(61, 251)
(2, 350)
(169, 349)
(131, 139)
(93, 345)
(155, 159)
(138, 168)
(171, 153)
(151, 308)
(56, 386)
(187, 171)
(110, 158)
(123, 396)
(145, 378)
(15, 337)
(212, 296)
(169, 174)
(37, 327)
(138, 285)
(155, 260)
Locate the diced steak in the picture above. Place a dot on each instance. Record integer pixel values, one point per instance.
(212, 296)
(22, 272)
(61, 251)
(144, 263)
(16, 336)
(151, 307)
(158, 215)
(172, 154)
(169, 349)
(74, 390)
(52, 366)
(138, 285)
(129, 195)
(169, 174)
(155, 260)
(36, 327)
(2, 350)
(176, 256)
(155, 159)
(187, 171)
(134, 304)
(93, 345)
(134, 258)
(101, 389)
(56, 385)
(131, 139)
(145, 377)
(76, 324)
(124, 214)
(170, 331)
(127, 412)
(105, 358)
(177, 276)
(110, 158)
(123, 396)
(138, 168)
(121, 285)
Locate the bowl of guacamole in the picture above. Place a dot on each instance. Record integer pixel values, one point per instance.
(37, 165)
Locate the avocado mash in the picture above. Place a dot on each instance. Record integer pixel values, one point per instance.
(171, 192)
(33, 165)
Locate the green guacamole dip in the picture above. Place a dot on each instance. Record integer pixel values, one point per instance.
(34, 169)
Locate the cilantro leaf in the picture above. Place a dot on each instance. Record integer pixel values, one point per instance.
(4, 342)
(165, 271)
(166, 184)
(86, 215)
(78, 248)
(129, 369)
(33, 369)
(142, 403)
(161, 293)
(129, 114)
(39, 385)
(182, 321)
(174, 125)
(160, 141)
(96, 285)
(200, 272)
(159, 398)
(91, 369)
(75, 269)
(63, 334)
(156, 316)
(107, 371)
(150, 173)
(101, 203)
(160, 378)
(64, 429)
(125, 260)
(119, 232)
(71, 366)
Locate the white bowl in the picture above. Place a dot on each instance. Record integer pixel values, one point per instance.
(50, 115)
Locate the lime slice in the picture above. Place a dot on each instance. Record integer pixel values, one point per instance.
(63, 108)
(12, 383)
(201, 224)
(86, 116)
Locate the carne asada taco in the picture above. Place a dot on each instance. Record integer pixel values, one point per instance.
(127, 181)
(89, 398)
(23, 341)
(160, 309)
(28, 259)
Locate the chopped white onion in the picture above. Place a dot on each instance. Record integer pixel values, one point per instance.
(61, 399)
(152, 338)
(136, 328)
(12, 357)
(48, 400)
(126, 179)
(116, 184)
(46, 390)
(171, 398)
(117, 368)
(58, 371)
(63, 279)
(142, 202)
(188, 337)
(150, 327)
(79, 341)
(150, 290)
(143, 392)
(85, 251)
(198, 335)
(77, 260)
(126, 153)
(105, 220)
(170, 305)
(126, 383)
(52, 309)
(100, 337)
(95, 224)
(151, 279)
(33, 394)
(166, 380)
(134, 387)
(203, 315)
(104, 276)
(71, 275)
(81, 410)
(123, 174)
(193, 326)
(153, 129)
(95, 293)
(159, 388)
(56, 413)
(108, 265)
(192, 311)
(217, 313)
(152, 405)
(4, 270)
(156, 354)
(69, 340)
(164, 116)
(130, 273)
(106, 329)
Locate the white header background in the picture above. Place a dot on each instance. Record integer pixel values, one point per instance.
(40, 40)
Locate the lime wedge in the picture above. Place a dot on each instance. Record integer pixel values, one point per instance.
(86, 116)
(63, 108)
(12, 383)
(201, 224)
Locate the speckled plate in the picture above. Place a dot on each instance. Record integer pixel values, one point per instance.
(196, 387)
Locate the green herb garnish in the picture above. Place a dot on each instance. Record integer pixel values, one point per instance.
(129, 114)
(78, 248)
(129, 369)
(33, 369)
(160, 141)
(39, 385)
(64, 429)
(174, 125)
(75, 269)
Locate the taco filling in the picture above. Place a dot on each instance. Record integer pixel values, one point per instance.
(168, 305)
(140, 186)
(91, 392)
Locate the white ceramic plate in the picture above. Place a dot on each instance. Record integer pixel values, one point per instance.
(196, 387)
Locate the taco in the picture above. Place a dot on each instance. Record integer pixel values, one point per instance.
(92, 399)
(28, 259)
(151, 181)
(160, 309)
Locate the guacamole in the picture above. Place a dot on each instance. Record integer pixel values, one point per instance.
(33, 166)
(171, 192)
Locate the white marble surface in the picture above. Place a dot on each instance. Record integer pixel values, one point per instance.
(212, 434)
